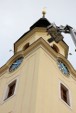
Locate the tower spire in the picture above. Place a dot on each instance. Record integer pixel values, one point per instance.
(44, 12)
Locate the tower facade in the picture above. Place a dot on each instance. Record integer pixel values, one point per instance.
(38, 78)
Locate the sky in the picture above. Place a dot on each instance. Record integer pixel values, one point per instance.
(16, 17)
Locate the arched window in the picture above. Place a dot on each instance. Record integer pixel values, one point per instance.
(55, 48)
(26, 46)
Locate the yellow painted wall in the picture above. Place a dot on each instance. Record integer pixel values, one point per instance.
(48, 92)
(30, 40)
(24, 99)
(37, 86)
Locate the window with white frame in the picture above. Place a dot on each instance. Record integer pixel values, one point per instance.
(64, 93)
(10, 90)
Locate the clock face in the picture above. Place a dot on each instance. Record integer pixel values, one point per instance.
(63, 68)
(16, 64)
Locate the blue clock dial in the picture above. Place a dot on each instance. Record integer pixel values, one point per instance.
(63, 68)
(16, 64)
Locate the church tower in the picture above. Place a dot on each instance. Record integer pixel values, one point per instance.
(38, 78)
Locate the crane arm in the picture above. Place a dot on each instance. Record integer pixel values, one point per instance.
(56, 31)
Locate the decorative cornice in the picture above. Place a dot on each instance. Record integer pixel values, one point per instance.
(39, 43)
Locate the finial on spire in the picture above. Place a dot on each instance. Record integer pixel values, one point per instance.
(44, 12)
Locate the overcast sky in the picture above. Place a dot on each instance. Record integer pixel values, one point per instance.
(16, 16)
